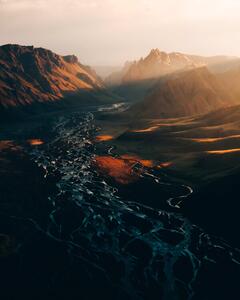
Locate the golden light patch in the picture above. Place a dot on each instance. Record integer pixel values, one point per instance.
(224, 151)
(211, 140)
(165, 164)
(121, 168)
(117, 168)
(206, 140)
(145, 162)
(153, 128)
(35, 142)
(104, 138)
(150, 129)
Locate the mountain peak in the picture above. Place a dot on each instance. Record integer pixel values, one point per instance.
(156, 55)
(155, 52)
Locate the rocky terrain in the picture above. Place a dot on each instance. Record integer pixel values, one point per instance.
(159, 63)
(31, 75)
(138, 77)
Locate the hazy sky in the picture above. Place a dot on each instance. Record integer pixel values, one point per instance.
(105, 32)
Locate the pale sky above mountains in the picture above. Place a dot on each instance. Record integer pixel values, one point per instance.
(109, 32)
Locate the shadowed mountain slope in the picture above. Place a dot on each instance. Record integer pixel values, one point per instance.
(187, 93)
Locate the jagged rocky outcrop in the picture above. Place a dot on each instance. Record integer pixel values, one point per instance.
(158, 63)
(137, 78)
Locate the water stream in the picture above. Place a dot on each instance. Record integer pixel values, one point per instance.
(142, 252)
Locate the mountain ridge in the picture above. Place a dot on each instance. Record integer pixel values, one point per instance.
(186, 93)
(159, 63)
(31, 75)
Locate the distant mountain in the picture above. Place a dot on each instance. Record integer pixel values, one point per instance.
(231, 80)
(187, 93)
(225, 65)
(116, 78)
(105, 71)
(35, 75)
(158, 63)
(137, 78)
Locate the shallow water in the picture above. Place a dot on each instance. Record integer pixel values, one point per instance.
(138, 251)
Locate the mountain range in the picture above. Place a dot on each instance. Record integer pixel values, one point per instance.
(191, 92)
(163, 84)
(137, 78)
(158, 63)
(31, 75)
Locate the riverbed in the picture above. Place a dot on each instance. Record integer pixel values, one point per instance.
(132, 240)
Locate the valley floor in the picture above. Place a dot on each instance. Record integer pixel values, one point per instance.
(84, 212)
(199, 149)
